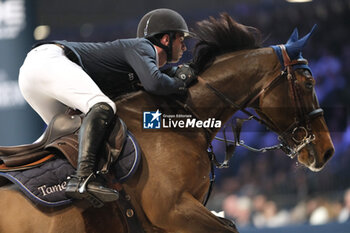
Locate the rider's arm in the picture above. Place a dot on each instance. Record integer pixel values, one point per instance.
(142, 58)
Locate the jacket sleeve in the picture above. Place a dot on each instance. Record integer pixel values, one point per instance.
(142, 59)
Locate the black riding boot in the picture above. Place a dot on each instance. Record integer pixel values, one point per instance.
(85, 184)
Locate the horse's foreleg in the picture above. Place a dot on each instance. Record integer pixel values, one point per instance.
(190, 216)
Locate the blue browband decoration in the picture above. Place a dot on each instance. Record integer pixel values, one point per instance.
(294, 47)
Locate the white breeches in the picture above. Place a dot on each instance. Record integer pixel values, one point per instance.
(50, 82)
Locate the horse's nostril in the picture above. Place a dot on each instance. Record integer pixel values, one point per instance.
(328, 154)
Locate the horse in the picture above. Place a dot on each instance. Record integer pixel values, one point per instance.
(172, 182)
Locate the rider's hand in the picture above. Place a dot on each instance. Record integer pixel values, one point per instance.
(186, 74)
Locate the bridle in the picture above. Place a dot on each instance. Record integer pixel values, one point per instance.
(302, 121)
(298, 132)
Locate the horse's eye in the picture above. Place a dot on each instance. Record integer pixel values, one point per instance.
(307, 73)
(309, 85)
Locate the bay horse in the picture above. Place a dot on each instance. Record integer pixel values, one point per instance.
(172, 181)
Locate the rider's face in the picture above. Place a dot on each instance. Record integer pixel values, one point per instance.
(178, 47)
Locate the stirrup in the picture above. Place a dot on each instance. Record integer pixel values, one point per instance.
(83, 186)
(92, 191)
(82, 193)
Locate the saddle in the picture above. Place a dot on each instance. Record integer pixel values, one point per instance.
(60, 135)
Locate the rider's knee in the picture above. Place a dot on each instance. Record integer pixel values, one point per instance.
(102, 99)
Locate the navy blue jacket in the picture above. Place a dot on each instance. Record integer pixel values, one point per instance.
(104, 61)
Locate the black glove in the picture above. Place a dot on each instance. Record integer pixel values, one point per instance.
(186, 74)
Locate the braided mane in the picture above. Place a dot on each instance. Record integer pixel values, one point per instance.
(219, 36)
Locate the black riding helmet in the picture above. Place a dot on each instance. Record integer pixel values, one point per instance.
(162, 21)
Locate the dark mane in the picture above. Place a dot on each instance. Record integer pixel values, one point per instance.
(219, 36)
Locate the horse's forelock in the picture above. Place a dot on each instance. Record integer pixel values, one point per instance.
(219, 36)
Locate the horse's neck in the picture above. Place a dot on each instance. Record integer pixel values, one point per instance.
(239, 76)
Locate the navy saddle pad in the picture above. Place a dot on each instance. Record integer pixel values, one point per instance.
(46, 184)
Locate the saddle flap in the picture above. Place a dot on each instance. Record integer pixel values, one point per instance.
(115, 144)
(117, 138)
(68, 146)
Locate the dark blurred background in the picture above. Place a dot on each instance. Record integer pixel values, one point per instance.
(258, 190)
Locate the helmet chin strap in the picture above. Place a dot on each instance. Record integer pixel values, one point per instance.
(168, 49)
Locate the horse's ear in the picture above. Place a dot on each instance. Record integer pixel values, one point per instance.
(294, 36)
(305, 39)
(295, 48)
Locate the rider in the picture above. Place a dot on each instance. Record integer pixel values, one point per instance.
(82, 76)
